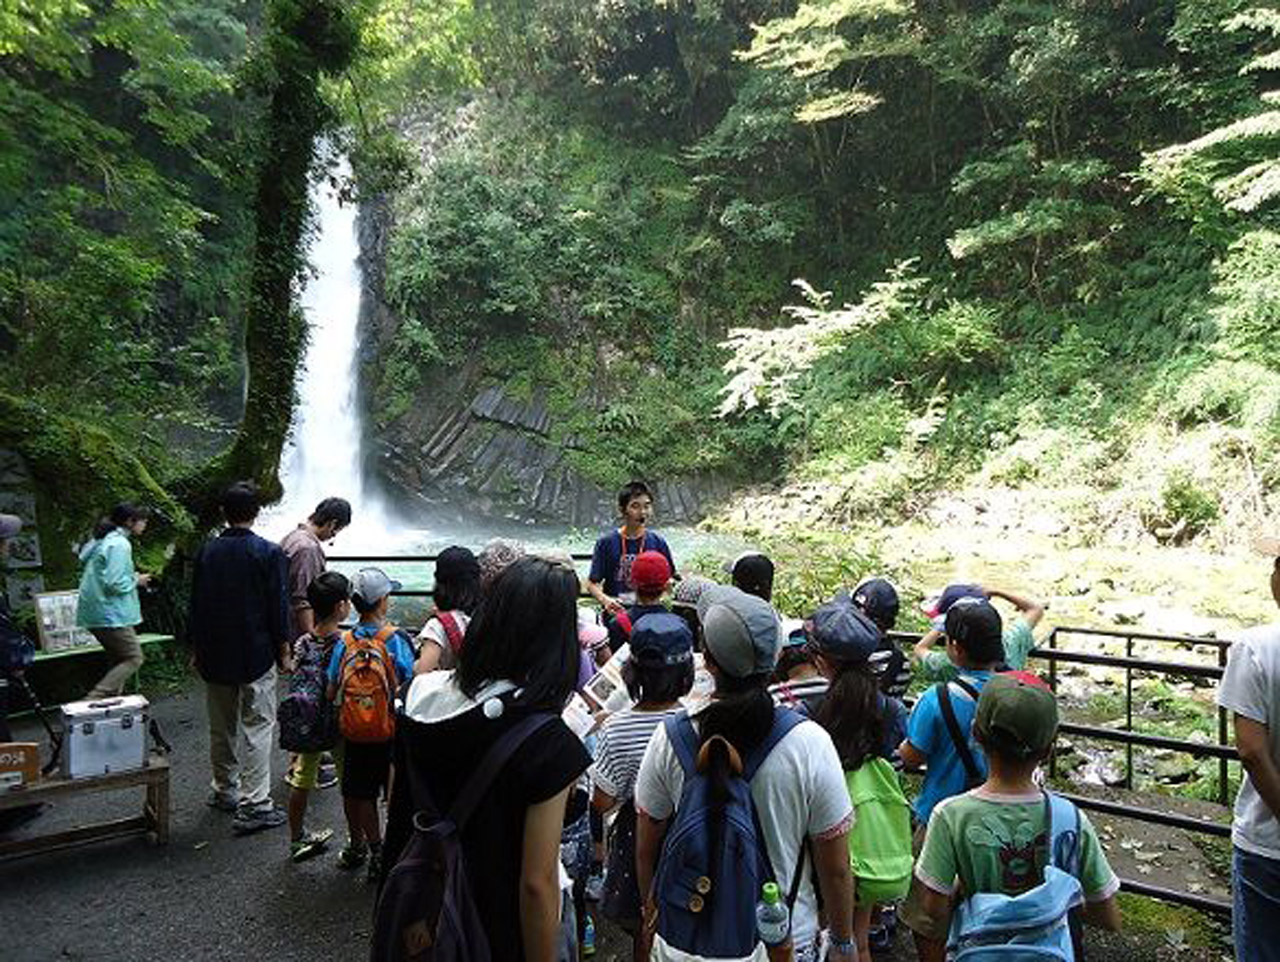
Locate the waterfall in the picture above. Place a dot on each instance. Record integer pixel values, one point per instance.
(324, 454)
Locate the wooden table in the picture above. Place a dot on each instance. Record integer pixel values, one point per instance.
(154, 819)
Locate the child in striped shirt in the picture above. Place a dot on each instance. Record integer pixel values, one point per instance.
(658, 674)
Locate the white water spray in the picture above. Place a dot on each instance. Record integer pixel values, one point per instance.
(325, 451)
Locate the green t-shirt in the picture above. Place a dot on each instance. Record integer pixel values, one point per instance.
(984, 842)
(1018, 640)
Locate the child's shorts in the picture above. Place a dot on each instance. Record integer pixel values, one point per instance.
(304, 768)
(365, 767)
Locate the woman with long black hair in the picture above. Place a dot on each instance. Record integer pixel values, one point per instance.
(798, 790)
(108, 604)
(520, 659)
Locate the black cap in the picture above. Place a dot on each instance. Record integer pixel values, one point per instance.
(976, 626)
(878, 599)
(840, 629)
(456, 563)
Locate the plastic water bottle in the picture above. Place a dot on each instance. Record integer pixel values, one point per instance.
(773, 920)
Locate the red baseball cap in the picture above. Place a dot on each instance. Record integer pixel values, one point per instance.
(650, 572)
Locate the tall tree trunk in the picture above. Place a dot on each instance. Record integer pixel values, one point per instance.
(304, 39)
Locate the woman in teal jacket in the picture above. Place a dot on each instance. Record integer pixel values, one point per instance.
(109, 605)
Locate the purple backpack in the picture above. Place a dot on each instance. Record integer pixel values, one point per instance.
(426, 912)
(307, 719)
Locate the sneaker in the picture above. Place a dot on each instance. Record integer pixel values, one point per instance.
(589, 938)
(327, 776)
(373, 874)
(594, 889)
(222, 802)
(309, 845)
(353, 855)
(250, 820)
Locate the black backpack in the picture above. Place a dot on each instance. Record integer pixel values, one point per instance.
(426, 912)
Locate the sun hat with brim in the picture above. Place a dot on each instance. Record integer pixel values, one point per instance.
(742, 633)
(371, 585)
(841, 631)
(10, 525)
(663, 638)
(1016, 717)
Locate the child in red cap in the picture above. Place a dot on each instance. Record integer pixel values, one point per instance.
(650, 577)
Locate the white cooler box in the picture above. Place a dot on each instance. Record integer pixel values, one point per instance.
(106, 735)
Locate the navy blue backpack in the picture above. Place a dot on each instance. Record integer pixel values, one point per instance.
(707, 898)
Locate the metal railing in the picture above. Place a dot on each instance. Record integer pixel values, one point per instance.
(1222, 750)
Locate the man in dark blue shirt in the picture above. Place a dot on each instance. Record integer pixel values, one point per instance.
(611, 560)
(239, 627)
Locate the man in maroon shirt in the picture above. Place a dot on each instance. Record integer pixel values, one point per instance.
(304, 547)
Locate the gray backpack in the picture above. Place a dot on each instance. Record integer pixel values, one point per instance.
(426, 912)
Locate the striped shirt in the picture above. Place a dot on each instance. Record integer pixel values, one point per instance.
(623, 740)
(893, 669)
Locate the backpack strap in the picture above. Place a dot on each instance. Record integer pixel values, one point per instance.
(784, 719)
(684, 741)
(495, 759)
(972, 774)
(1062, 828)
(451, 630)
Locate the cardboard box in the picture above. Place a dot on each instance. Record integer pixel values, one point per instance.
(19, 764)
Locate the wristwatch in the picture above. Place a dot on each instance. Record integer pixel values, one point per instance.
(840, 946)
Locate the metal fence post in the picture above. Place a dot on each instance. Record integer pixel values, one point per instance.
(1128, 712)
(1223, 788)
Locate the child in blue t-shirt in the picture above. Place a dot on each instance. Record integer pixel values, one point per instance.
(366, 764)
(955, 762)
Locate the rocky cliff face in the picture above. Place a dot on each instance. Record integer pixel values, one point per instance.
(472, 445)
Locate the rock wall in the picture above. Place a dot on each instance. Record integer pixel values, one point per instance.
(471, 446)
(475, 449)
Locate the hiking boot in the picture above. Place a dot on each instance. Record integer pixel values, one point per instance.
(327, 775)
(223, 802)
(309, 845)
(250, 820)
(353, 855)
(373, 874)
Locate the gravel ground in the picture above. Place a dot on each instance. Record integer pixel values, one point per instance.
(210, 895)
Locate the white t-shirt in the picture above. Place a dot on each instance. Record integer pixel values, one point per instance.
(433, 631)
(1251, 687)
(799, 792)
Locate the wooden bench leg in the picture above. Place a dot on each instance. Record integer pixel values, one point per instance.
(157, 808)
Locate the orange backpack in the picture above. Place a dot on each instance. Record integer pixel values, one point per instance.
(366, 686)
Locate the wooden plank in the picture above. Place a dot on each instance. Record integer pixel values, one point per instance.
(99, 831)
(155, 773)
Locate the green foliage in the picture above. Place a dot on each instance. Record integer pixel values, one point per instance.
(1187, 506)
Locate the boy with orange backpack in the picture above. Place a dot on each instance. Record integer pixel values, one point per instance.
(369, 663)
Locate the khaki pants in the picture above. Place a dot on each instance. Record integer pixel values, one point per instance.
(242, 722)
(125, 651)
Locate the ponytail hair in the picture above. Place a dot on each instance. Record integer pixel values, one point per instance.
(737, 720)
(123, 514)
(850, 712)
